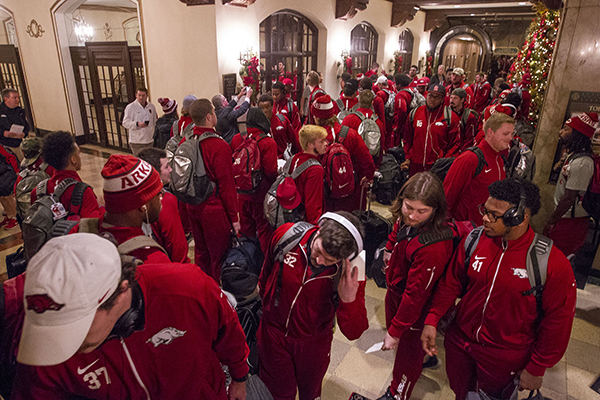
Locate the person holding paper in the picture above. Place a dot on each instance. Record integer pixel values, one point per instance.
(418, 250)
(13, 124)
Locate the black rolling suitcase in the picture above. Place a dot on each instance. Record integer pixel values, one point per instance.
(377, 229)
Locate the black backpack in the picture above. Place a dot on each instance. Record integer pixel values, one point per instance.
(441, 166)
(391, 179)
(249, 313)
(241, 268)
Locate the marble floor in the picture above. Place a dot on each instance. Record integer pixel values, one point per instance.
(351, 370)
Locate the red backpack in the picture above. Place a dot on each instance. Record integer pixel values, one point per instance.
(339, 172)
(247, 170)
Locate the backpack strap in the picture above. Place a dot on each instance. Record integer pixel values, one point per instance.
(77, 197)
(281, 117)
(89, 225)
(343, 133)
(175, 128)
(138, 242)
(471, 243)
(537, 269)
(481, 163)
(411, 116)
(63, 186)
(359, 115)
(290, 105)
(62, 227)
(288, 241)
(448, 116)
(340, 104)
(428, 238)
(304, 166)
(42, 188)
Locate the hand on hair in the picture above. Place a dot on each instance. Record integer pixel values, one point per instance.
(348, 286)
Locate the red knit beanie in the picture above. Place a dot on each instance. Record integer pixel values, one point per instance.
(322, 107)
(129, 183)
(585, 123)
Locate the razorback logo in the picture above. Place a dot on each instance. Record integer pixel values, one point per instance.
(165, 336)
(41, 303)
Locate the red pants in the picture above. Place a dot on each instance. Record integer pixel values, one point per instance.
(185, 219)
(471, 366)
(287, 364)
(212, 235)
(254, 222)
(569, 234)
(408, 363)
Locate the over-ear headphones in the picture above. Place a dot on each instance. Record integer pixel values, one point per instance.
(516, 215)
(133, 318)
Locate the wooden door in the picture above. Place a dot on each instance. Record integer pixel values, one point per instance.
(11, 76)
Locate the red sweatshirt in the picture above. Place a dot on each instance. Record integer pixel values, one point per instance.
(463, 85)
(464, 193)
(493, 310)
(353, 121)
(306, 306)
(293, 115)
(168, 230)
(268, 163)
(310, 186)
(89, 205)
(349, 102)
(182, 123)
(469, 130)
(401, 109)
(217, 161)
(190, 329)
(481, 95)
(362, 162)
(379, 107)
(413, 275)
(283, 133)
(429, 137)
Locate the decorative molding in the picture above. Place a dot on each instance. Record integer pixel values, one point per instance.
(239, 3)
(402, 13)
(100, 7)
(197, 2)
(347, 9)
(34, 29)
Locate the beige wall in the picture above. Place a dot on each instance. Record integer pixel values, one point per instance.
(97, 19)
(575, 67)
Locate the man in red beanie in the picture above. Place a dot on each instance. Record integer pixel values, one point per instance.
(281, 129)
(132, 193)
(285, 106)
(362, 162)
(213, 219)
(252, 217)
(568, 224)
(457, 82)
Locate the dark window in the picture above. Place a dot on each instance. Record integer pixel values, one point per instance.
(363, 46)
(289, 38)
(405, 46)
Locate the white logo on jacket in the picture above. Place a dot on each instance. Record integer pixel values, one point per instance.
(290, 259)
(520, 272)
(477, 264)
(165, 336)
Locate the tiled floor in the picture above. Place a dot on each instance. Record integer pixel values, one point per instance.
(369, 374)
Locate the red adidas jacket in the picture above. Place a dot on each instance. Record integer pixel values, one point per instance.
(168, 230)
(464, 192)
(190, 329)
(429, 137)
(268, 163)
(310, 187)
(306, 304)
(493, 311)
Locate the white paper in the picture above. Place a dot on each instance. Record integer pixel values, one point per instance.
(376, 347)
(16, 128)
(359, 262)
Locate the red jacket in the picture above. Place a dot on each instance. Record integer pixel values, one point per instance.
(401, 109)
(268, 163)
(353, 121)
(362, 162)
(310, 186)
(293, 115)
(493, 310)
(412, 273)
(313, 96)
(379, 107)
(469, 130)
(481, 95)
(464, 193)
(89, 205)
(429, 137)
(348, 102)
(168, 230)
(182, 123)
(283, 133)
(463, 85)
(190, 329)
(525, 104)
(217, 161)
(306, 302)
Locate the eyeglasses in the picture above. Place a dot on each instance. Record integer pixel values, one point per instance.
(492, 217)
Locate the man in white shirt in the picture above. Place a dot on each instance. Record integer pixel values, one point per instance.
(139, 119)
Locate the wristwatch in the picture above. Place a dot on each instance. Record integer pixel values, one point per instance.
(240, 380)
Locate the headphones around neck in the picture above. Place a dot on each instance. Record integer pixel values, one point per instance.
(516, 215)
(133, 318)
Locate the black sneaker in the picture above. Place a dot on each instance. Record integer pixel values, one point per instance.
(388, 395)
(432, 363)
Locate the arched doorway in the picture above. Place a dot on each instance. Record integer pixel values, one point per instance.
(363, 46)
(463, 51)
(100, 47)
(288, 49)
(405, 47)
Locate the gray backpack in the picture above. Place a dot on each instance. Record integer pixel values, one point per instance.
(29, 180)
(369, 131)
(344, 112)
(43, 217)
(520, 162)
(275, 213)
(536, 263)
(389, 104)
(173, 142)
(189, 181)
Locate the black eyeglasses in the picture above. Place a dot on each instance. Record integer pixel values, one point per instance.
(484, 211)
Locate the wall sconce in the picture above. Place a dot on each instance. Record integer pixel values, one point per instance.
(245, 56)
(345, 54)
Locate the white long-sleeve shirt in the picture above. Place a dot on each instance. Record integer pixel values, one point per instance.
(134, 113)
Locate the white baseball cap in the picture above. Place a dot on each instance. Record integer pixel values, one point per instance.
(66, 282)
(382, 80)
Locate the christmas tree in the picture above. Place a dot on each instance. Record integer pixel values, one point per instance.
(535, 56)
